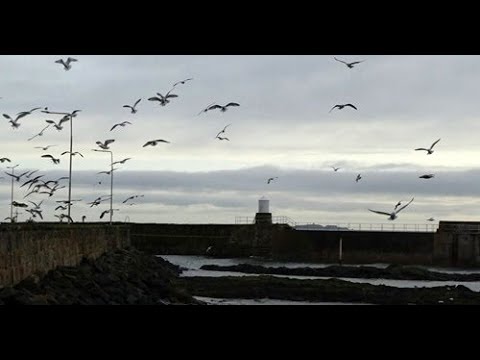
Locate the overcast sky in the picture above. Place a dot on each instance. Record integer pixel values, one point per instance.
(282, 128)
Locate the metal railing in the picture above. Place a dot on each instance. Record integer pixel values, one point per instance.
(432, 227)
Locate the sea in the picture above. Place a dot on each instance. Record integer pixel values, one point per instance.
(192, 265)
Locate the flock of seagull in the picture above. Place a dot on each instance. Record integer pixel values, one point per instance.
(393, 214)
(38, 185)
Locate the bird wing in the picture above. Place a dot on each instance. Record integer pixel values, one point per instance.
(64, 119)
(343, 62)
(114, 126)
(334, 107)
(109, 141)
(51, 122)
(60, 61)
(148, 143)
(171, 96)
(421, 149)
(232, 104)
(7, 117)
(380, 212)
(128, 106)
(154, 99)
(136, 102)
(404, 206)
(214, 107)
(357, 62)
(352, 106)
(431, 147)
(69, 60)
(47, 156)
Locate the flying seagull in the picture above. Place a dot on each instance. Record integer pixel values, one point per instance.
(358, 177)
(44, 148)
(223, 131)
(335, 169)
(122, 124)
(155, 142)
(429, 151)
(40, 133)
(271, 179)
(340, 107)
(66, 64)
(105, 144)
(121, 161)
(55, 161)
(4, 159)
(431, 219)
(223, 108)
(350, 65)
(392, 215)
(398, 204)
(182, 82)
(163, 99)
(427, 176)
(133, 108)
(73, 153)
(222, 138)
(60, 122)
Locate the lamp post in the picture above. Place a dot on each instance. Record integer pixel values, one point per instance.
(71, 116)
(111, 181)
(11, 194)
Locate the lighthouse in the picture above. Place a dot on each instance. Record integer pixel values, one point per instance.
(263, 216)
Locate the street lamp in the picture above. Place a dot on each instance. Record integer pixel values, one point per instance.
(111, 181)
(11, 196)
(71, 116)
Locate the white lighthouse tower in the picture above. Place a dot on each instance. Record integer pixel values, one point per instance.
(263, 216)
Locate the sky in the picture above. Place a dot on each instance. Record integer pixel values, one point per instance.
(283, 128)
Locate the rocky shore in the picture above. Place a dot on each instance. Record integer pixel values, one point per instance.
(122, 277)
(331, 290)
(394, 272)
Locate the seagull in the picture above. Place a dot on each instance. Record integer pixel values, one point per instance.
(131, 198)
(392, 215)
(223, 108)
(335, 169)
(66, 64)
(122, 124)
(223, 131)
(35, 212)
(398, 204)
(37, 206)
(105, 144)
(431, 219)
(17, 204)
(61, 207)
(155, 142)
(163, 99)
(40, 133)
(2, 160)
(358, 177)
(429, 151)
(59, 125)
(44, 148)
(427, 176)
(350, 65)
(15, 123)
(133, 108)
(55, 161)
(340, 107)
(73, 153)
(17, 177)
(63, 216)
(182, 82)
(121, 161)
(271, 179)
(222, 138)
(107, 172)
